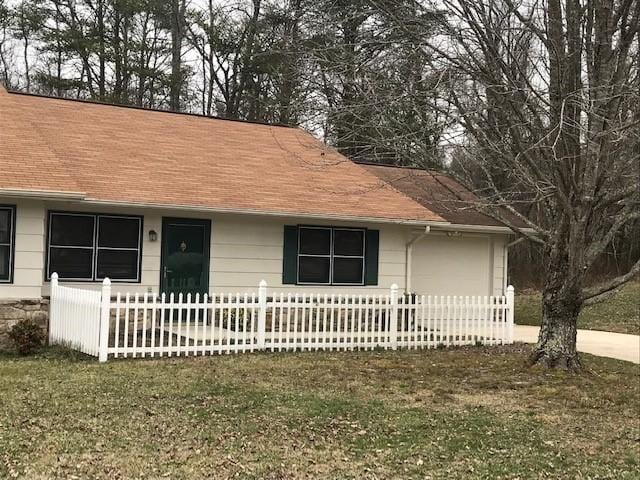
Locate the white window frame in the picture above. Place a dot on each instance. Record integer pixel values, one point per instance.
(331, 255)
(95, 248)
(363, 257)
(137, 249)
(92, 247)
(11, 244)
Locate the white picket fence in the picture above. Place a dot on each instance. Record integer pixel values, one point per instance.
(74, 317)
(150, 326)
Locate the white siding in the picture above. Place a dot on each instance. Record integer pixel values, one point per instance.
(244, 250)
(247, 249)
(458, 265)
(29, 251)
(499, 265)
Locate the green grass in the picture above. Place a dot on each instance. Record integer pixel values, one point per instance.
(620, 313)
(474, 413)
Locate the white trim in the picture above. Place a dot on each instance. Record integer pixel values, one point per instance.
(83, 199)
(11, 244)
(408, 258)
(362, 257)
(492, 264)
(92, 247)
(42, 194)
(95, 248)
(328, 255)
(270, 213)
(453, 227)
(331, 255)
(138, 249)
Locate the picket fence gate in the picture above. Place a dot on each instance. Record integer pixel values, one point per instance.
(147, 325)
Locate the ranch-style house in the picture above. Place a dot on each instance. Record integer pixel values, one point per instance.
(164, 202)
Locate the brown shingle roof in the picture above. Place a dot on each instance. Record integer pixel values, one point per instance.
(437, 192)
(26, 161)
(126, 155)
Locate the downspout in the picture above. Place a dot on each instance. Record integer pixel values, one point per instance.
(505, 258)
(409, 256)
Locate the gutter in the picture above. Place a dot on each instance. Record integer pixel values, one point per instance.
(268, 213)
(42, 194)
(447, 226)
(409, 257)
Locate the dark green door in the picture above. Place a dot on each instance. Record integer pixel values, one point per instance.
(185, 256)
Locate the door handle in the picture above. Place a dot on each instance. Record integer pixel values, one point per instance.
(165, 271)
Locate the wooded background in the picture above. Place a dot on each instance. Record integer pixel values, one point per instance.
(346, 70)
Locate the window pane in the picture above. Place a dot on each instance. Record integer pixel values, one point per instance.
(313, 269)
(117, 264)
(118, 232)
(347, 270)
(71, 230)
(315, 241)
(187, 238)
(5, 226)
(4, 262)
(348, 242)
(71, 263)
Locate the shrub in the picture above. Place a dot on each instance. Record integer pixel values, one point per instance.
(27, 336)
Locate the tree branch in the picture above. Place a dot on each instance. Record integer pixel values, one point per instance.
(592, 294)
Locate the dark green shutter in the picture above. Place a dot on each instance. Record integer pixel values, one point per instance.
(290, 255)
(372, 248)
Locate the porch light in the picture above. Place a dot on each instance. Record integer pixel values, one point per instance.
(153, 236)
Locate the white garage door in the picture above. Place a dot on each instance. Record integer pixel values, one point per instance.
(452, 266)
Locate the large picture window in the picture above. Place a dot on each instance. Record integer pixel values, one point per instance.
(7, 236)
(331, 256)
(87, 247)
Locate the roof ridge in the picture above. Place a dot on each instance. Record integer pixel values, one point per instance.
(137, 107)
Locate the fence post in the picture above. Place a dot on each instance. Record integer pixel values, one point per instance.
(262, 313)
(53, 317)
(105, 313)
(393, 321)
(510, 307)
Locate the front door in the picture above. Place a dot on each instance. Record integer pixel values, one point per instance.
(185, 256)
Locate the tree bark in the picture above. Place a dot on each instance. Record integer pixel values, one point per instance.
(561, 304)
(247, 67)
(178, 9)
(102, 78)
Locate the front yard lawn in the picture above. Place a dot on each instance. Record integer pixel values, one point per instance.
(461, 413)
(620, 313)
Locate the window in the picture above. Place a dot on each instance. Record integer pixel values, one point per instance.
(7, 235)
(331, 256)
(87, 247)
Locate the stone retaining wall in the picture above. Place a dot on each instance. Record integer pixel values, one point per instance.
(12, 311)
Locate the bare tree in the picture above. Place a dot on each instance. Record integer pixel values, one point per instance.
(178, 11)
(5, 37)
(27, 22)
(547, 94)
(376, 87)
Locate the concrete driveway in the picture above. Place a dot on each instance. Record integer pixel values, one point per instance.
(595, 342)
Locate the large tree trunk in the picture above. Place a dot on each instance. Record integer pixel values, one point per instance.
(178, 8)
(561, 304)
(102, 52)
